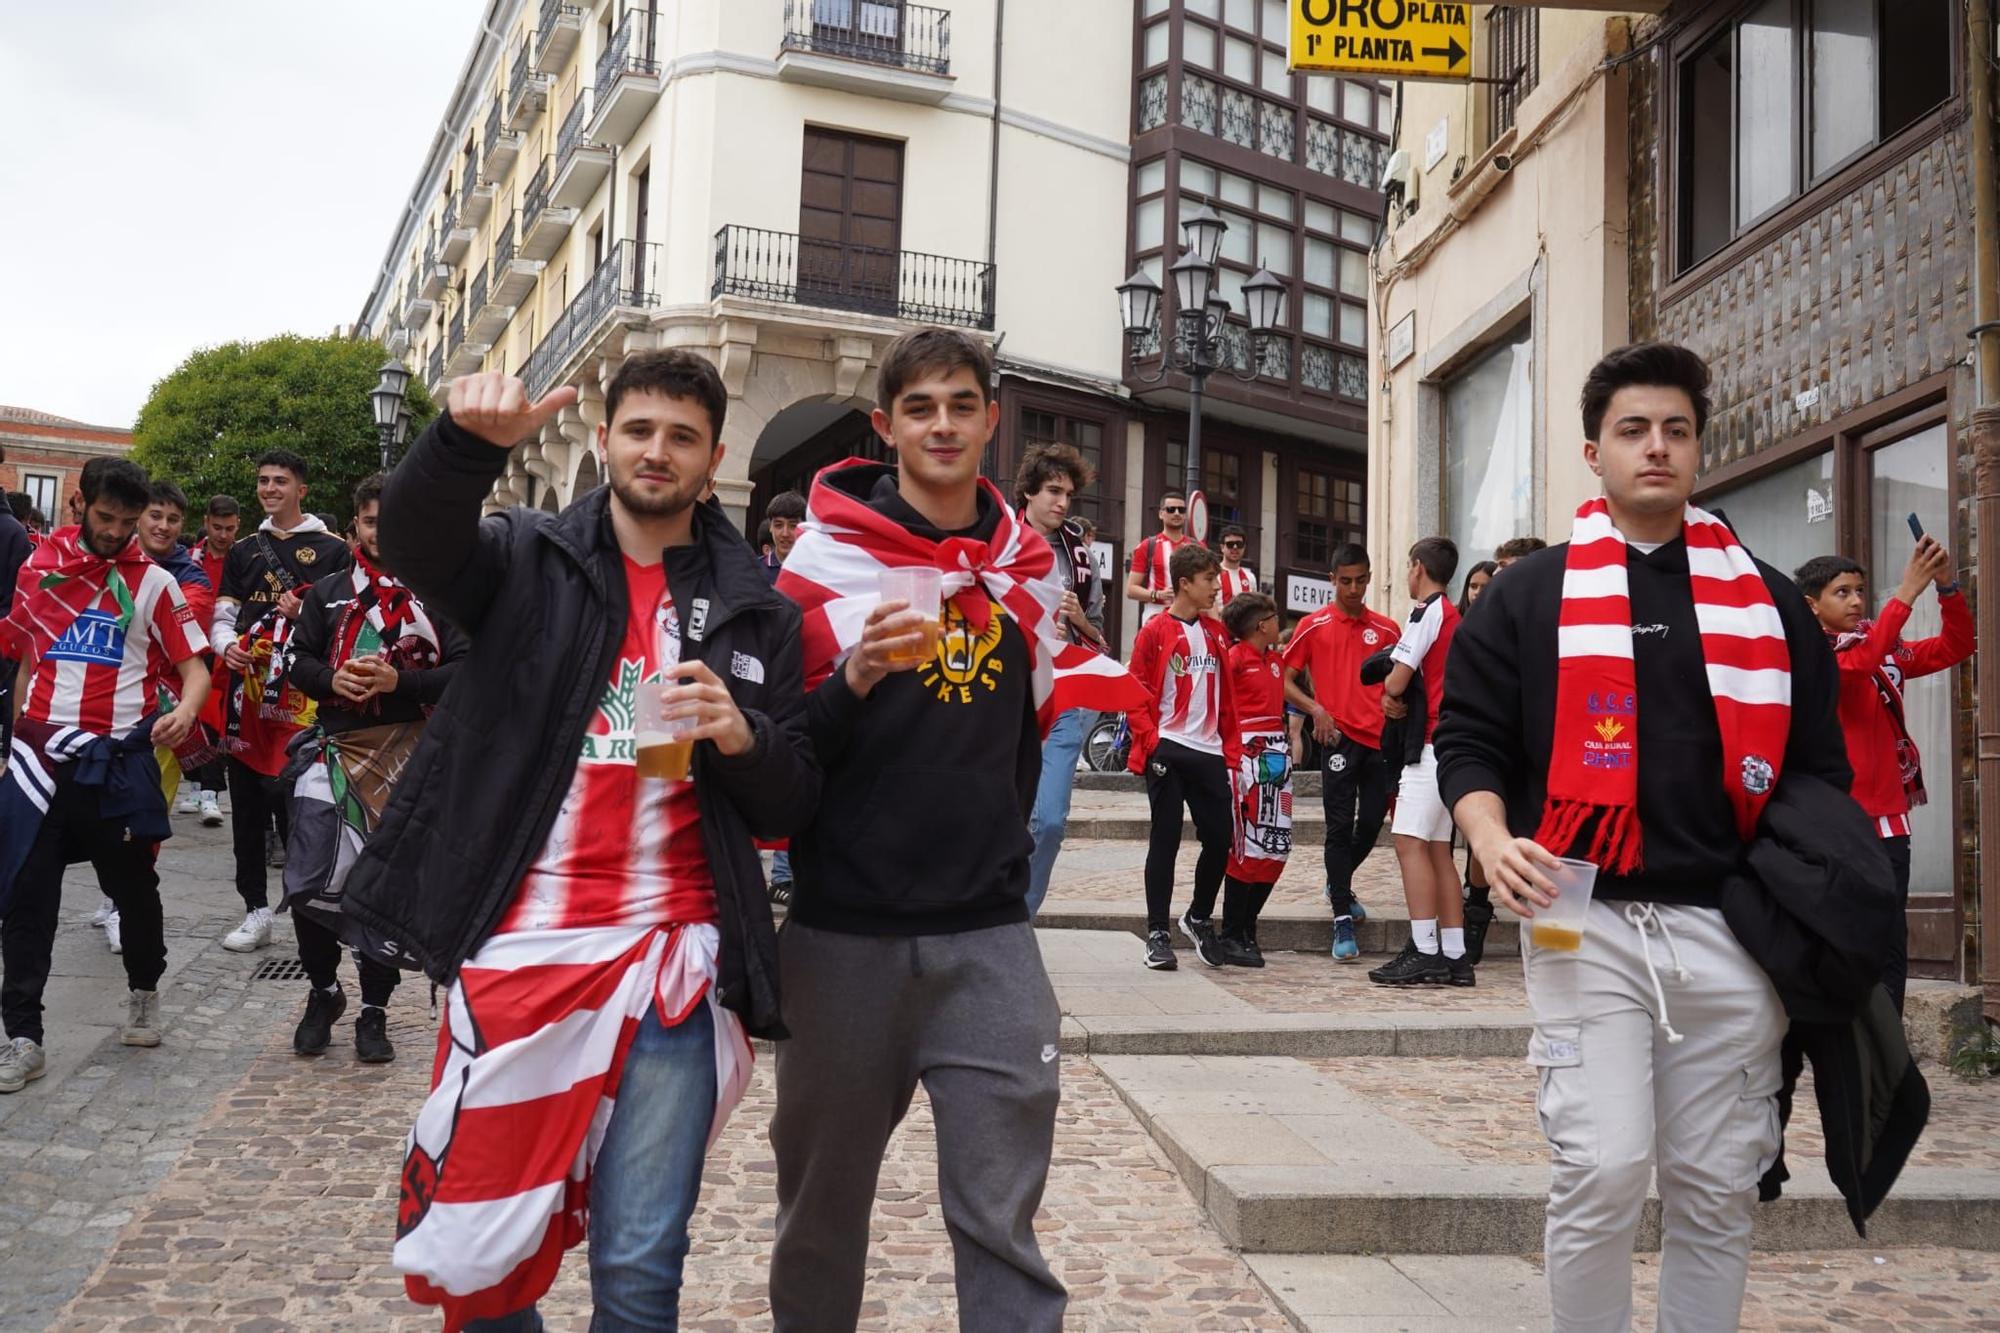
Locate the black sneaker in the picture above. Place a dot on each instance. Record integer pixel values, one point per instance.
(1160, 951)
(371, 1037)
(1458, 972)
(274, 850)
(1478, 916)
(781, 893)
(1202, 935)
(1410, 968)
(1239, 950)
(315, 1030)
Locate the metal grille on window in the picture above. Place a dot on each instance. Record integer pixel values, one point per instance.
(1235, 348)
(1198, 108)
(1323, 147)
(1316, 367)
(1353, 377)
(1514, 38)
(1152, 102)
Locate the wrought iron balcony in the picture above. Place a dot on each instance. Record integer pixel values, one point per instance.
(557, 35)
(489, 315)
(454, 330)
(880, 32)
(527, 92)
(513, 276)
(581, 163)
(543, 224)
(628, 81)
(454, 237)
(502, 146)
(900, 284)
(625, 282)
(434, 368)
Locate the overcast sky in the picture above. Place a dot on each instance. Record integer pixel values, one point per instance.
(180, 173)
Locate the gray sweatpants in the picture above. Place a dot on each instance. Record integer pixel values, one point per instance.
(973, 1017)
(1625, 1095)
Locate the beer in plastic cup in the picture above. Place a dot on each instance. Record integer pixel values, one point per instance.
(922, 586)
(663, 748)
(1559, 926)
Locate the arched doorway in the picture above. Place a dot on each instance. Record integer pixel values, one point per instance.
(587, 479)
(802, 439)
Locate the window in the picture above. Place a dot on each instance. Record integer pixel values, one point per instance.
(1328, 512)
(42, 488)
(1039, 426)
(1787, 515)
(1790, 92)
(1222, 484)
(1489, 448)
(1513, 61)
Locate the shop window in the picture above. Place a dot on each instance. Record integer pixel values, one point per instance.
(1785, 517)
(1489, 448)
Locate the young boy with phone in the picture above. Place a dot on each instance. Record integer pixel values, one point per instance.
(1875, 666)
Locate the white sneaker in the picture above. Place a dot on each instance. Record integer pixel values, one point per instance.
(211, 811)
(254, 933)
(112, 936)
(105, 911)
(142, 1019)
(21, 1063)
(188, 800)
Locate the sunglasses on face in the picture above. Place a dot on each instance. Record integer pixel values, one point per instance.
(1232, 546)
(1173, 509)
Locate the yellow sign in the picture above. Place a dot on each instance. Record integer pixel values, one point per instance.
(1401, 39)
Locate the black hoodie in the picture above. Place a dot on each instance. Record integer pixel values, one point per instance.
(922, 826)
(1497, 726)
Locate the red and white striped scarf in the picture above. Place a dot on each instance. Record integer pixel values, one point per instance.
(1594, 764)
(833, 571)
(59, 579)
(496, 1171)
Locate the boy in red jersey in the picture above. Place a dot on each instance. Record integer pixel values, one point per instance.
(1261, 779)
(1185, 742)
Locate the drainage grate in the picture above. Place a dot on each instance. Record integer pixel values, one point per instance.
(279, 969)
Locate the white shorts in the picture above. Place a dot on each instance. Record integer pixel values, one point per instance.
(1420, 810)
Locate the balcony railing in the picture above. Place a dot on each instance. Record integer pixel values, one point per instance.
(535, 197)
(454, 333)
(625, 280)
(882, 32)
(435, 367)
(494, 127)
(477, 302)
(902, 284)
(571, 133)
(518, 79)
(503, 247)
(628, 53)
(449, 221)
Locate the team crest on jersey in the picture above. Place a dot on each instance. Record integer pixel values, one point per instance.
(965, 655)
(1370, 637)
(94, 637)
(305, 555)
(1758, 774)
(1178, 664)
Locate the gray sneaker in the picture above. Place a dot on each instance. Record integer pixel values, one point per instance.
(21, 1063)
(142, 1019)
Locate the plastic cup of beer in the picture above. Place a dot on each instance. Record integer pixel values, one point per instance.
(1559, 926)
(922, 586)
(662, 746)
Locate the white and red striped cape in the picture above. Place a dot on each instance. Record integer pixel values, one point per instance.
(496, 1171)
(833, 572)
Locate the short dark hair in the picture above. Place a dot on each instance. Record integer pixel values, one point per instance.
(1042, 461)
(676, 373)
(287, 460)
(1232, 531)
(164, 492)
(1172, 493)
(1246, 610)
(932, 351)
(1515, 548)
(1190, 560)
(21, 504)
(37, 519)
(224, 506)
(368, 491)
(120, 480)
(1350, 553)
(786, 504)
(1662, 365)
(1813, 576)
(764, 534)
(1438, 556)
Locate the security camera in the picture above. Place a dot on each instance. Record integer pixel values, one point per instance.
(1502, 162)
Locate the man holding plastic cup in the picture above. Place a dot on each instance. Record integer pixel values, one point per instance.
(1630, 699)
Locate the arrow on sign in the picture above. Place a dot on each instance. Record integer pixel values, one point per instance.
(1453, 52)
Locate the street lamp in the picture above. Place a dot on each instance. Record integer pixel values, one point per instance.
(1200, 320)
(392, 417)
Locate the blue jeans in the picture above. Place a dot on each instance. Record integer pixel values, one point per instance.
(646, 1181)
(1059, 755)
(781, 867)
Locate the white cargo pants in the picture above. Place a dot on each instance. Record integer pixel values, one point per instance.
(1674, 1066)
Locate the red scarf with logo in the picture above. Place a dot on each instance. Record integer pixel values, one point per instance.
(1594, 764)
(60, 579)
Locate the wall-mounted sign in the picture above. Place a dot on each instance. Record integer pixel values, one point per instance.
(1402, 39)
(1402, 339)
(1305, 594)
(1106, 559)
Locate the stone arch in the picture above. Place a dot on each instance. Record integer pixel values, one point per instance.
(586, 478)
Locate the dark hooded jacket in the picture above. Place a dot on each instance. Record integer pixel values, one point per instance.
(542, 599)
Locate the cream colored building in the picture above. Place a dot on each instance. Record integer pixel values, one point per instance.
(1501, 279)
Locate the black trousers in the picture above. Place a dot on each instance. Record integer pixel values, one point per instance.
(1242, 903)
(254, 802)
(124, 872)
(1354, 790)
(319, 954)
(211, 776)
(1896, 971)
(1177, 776)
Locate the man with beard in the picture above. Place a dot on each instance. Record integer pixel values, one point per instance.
(375, 663)
(582, 873)
(92, 623)
(262, 580)
(1149, 583)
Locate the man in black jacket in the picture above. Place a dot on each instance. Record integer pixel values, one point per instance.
(1631, 698)
(376, 664)
(908, 956)
(601, 921)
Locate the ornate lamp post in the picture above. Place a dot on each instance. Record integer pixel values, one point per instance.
(392, 417)
(1195, 346)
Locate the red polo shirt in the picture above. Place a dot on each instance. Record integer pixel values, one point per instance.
(1330, 646)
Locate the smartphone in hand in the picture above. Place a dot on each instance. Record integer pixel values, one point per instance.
(1916, 527)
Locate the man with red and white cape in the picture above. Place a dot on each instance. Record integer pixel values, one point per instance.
(908, 957)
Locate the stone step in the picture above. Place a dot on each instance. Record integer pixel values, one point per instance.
(1287, 1158)
(1307, 929)
(1308, 826)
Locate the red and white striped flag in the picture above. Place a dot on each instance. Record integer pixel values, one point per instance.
(833, 574)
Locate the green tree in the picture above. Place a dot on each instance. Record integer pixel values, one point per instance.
(205, 423)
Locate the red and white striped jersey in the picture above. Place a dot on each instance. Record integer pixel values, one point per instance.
(1234, 583)
(99, 676)
(624, 850)
(1149, 562)
(1187, 679)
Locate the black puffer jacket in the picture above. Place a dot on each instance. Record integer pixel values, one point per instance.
(542, 598)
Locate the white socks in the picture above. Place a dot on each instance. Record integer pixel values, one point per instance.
(1454, 941)
(1425, 933)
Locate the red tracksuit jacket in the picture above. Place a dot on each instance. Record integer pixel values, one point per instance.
(1159, 662)
(1864, 715)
